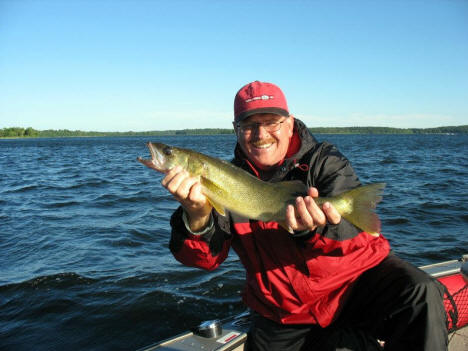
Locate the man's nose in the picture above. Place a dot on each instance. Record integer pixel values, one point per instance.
(260, 131)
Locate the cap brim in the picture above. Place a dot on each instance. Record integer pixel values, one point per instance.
(273, 110)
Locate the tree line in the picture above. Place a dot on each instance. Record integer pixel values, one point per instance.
(18, 132)
(388, 130)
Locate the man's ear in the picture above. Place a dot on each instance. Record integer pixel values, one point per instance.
(234, 125)
(291, 125)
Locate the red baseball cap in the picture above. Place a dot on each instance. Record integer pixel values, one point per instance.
(259, 97)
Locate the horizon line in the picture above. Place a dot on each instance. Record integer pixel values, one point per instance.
(222, 128)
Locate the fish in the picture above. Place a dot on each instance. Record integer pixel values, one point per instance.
(230, 188)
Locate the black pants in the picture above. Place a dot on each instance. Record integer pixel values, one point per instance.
(394, 302)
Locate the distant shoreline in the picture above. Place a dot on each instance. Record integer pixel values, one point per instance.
(18, 132)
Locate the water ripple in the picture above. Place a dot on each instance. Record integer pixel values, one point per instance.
(85, 233)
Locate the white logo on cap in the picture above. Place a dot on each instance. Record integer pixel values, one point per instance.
(263, 97)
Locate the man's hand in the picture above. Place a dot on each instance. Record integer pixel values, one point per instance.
(187, 190)
(307, 215)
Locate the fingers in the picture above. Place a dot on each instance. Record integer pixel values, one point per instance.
(188, 191)
(291, 219)
(313, 192)
(333, 216)
(310, 215)
(170, 175)
(307, 215)
(299, 217)
(183, 187)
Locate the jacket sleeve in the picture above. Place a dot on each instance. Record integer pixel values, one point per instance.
(206, 251)
(331, 173)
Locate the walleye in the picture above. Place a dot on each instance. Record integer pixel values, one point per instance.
(228, 187)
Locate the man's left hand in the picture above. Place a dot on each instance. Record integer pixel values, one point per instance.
(307, 215)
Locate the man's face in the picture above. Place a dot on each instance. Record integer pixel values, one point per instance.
(265, 148)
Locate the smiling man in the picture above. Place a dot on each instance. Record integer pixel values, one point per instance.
(262, 123)
(327, 286)
(265, 138)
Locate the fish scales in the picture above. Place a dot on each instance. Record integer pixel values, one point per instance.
(246, 195)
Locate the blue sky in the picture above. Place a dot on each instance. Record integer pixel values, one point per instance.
(158, 65)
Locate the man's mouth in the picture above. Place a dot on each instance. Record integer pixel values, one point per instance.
(262, 144)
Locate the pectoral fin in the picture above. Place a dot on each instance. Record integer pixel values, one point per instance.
(218, 207)
(213, 188)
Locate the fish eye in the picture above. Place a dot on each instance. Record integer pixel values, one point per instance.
(167, 150)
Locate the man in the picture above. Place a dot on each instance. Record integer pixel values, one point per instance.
(327, 286)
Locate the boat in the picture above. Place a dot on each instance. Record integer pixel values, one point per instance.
(230, 334)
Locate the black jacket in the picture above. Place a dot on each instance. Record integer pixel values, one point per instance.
(290, 278)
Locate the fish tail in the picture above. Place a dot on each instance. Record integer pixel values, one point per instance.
(365, 199)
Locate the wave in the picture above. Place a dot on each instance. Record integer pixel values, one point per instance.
(63, 280)
(388, 160)
(62, 204)
(396, 221)
(22, 188)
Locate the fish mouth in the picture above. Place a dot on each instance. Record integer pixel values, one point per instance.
(157, 158)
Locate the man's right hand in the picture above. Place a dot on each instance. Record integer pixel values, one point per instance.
(188, 191)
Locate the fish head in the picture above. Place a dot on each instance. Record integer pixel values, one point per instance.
(164, 157)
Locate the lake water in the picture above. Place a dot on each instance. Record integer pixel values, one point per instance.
(84, 230)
